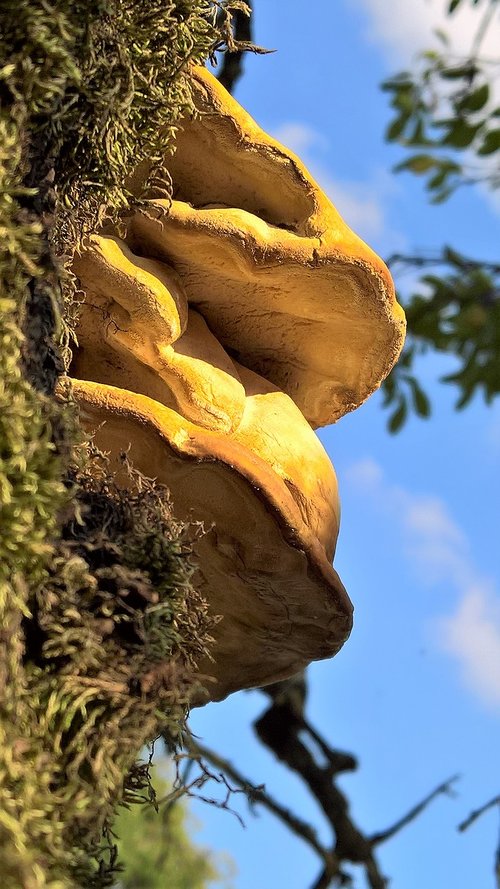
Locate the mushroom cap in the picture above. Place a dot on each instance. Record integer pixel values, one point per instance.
(293, 293)
(236, 454)
(260, 566)
(229, 322)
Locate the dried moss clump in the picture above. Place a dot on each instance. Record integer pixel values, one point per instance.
(31, 492)
(114, 631)
(99, 623)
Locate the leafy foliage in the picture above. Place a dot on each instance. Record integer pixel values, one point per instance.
(457, 312)
(156, 851)
(446, 109)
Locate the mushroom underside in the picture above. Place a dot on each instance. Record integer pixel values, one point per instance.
(316, 323)
(218, 329)
(260, 568)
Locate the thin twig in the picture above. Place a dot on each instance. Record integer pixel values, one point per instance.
(191, 789)
(464, 825)
(260, 795)
(444, 788)
(232, 64)
(473, 817)
(482, 30)
(422, 261)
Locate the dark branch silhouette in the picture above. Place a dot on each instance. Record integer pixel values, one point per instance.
(444, 788)
(286, 731)
(464, 263)
(257, 794)
(232, 64)
(474, 815)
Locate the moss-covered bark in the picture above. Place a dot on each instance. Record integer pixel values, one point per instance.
(100, 626)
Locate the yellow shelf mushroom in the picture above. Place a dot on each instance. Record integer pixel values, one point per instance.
(215, 336)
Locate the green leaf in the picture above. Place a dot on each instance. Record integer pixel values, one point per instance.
(442, 195)
(466, 396)
(418, 163)
(475, 100)
(421, 402)
(458, 72)
(403, 101)
(453, 5)
(407, 357)
(491, 143)
(396, 128)
(397, 419)
(461, 134)
(403, 80)
(418, 136)
(389, 389)
(438, 179)
(442, 36)
(453, 257)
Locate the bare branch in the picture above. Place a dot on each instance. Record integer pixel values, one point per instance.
(291, 694)
(232, 64)
(182, 788)
(284, 729)
(422, 260)
(474, 815)
(482, 30)
(259, 795)
(444, 788)
(325, 878)
(279, 728)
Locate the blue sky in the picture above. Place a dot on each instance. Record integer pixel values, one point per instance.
(415, 693)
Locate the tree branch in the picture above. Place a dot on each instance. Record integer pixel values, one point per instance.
(260, 795)
(474, 815)
(278, 728)
(232, 64)
(482, 30)
(444, 788)
(421, 261)
(284, 729)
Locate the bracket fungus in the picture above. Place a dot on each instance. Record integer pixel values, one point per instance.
(216, 334)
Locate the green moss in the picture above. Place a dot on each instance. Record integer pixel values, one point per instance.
(100, 624)
(156, 852)
(108, 667)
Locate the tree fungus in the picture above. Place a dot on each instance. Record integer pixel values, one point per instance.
(217, 332)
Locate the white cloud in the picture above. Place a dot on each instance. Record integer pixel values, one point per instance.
(403, 34)
(358, 203)
(408, 28)
(399, 33)
(300, 137)
(428, 516)
(365, 475)
(472, 635)
(361, 204)
(439, 550)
